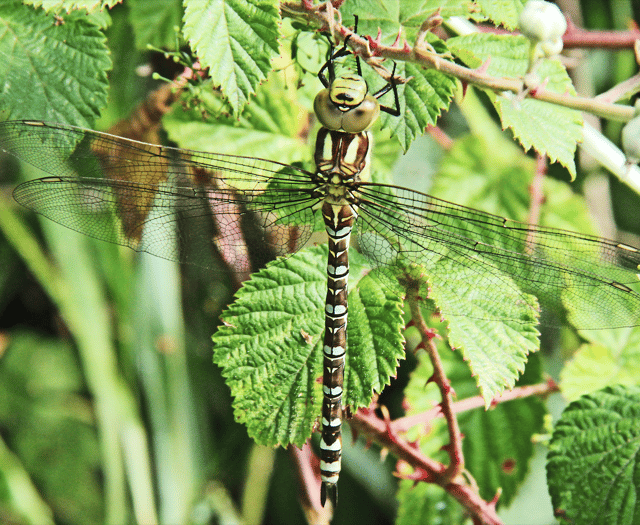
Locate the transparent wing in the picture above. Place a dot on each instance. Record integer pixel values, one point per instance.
(399, 227)
(136, 194)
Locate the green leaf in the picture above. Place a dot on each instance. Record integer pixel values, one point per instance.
(389, 15)
(270, 348)
(550, 129)
(429, 92)
(596, 365)
(52, 72)
(427, 504)
(592, 466)
(71, 5)
(154, 22)
(497, 444)
(235, 39)
(499, 183)
(271, 124)
(495, 350)
(424, 96)
(502, 12)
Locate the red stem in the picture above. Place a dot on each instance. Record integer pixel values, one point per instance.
(403, 424)
(439, 377)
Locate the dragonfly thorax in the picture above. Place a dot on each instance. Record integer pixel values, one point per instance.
(342, 161)
(346, 105)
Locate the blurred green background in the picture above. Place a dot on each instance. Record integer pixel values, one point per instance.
(111, 410)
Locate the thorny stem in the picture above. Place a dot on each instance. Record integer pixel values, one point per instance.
(373, 52)
(387, 434)
(368, 423)
(403, 424)
(439, 377)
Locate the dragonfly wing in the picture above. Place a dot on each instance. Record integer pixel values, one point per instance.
(596, 277)
(136, 194)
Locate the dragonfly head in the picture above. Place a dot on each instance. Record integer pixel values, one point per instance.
(346, 105)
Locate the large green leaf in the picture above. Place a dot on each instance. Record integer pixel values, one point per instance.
(496, 350)
(270, 348)
(428, 505)
(236, 40)
(550, 129)
(502, 12)
(613, 358)
(56, 72)
(270, 127)
(424, 97)
(592, 467)
(155, 22)
(428, 91)
(71, 5)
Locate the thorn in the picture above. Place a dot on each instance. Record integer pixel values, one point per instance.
(448, 389)
(539, 87)
(495, 499)
(397, 41)
(553, 386)
(448, 448)
(375, 44)
(465, 85)
(484, 67)
(419, 474)
(431, 333)
(414, 444)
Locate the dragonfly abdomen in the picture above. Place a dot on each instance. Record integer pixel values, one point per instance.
(339, 222)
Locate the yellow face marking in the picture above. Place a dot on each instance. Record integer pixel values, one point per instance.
(348, 90)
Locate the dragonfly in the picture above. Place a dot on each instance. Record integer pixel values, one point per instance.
(137, 194)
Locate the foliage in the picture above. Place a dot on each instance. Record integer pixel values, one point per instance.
(117, 414)
(593, 477)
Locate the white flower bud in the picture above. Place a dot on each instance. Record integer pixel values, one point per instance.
(631, 140)
(543, 23)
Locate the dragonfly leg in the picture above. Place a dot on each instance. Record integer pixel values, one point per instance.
(391, 86)
(342, 52)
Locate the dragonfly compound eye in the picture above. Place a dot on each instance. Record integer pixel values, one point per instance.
(350, 119)
(329, 114)
(361, 117)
